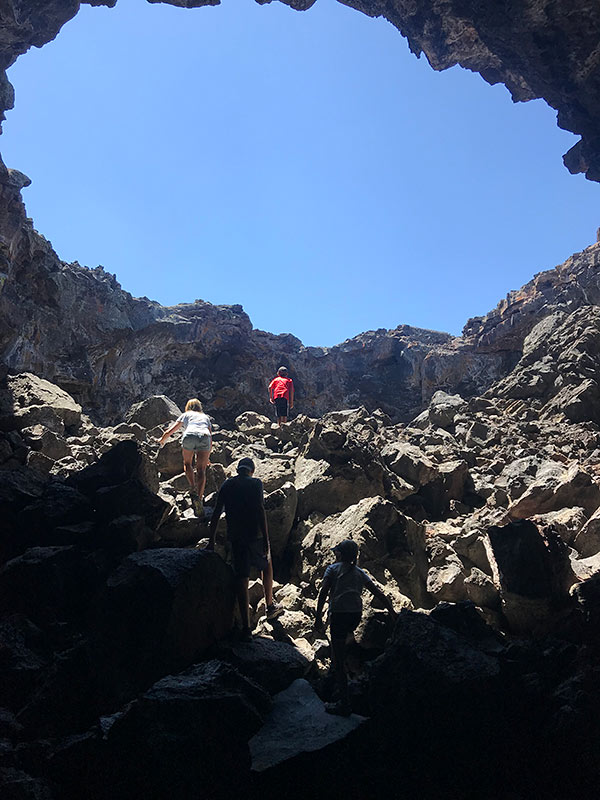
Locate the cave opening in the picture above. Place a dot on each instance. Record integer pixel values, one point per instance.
(314, 172)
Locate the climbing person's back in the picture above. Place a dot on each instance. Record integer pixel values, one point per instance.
(242, 497)
(347, 582)
(195, 423)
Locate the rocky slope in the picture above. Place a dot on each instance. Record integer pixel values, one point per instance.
(480, 518)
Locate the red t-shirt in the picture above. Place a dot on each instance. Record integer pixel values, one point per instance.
(281, 387)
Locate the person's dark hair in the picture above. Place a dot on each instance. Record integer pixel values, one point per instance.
(347, 551)
(245, 465)
(282, 371)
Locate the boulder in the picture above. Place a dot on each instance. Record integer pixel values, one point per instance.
(453, 482)
(46, 441)
(443, 409)
(409, 462)
(584, 568)
(587, 541)
(23, 659)
(524, 572)
(130, 430)
(481, 590)
(187, 734)
(298, 724)
(428, 666)
(272, 665)
(60, 505)
(153, 411)
(327, 488)
(274, 472)
(66, 698)
(168, 460)
(27, 400)
(18, 488)
(556, 487)
(566, 523)
(387, 539)
(376, 626)
(16, 784)
(445, 578)
(47, 584)
(40, 464)
(160, 610)
(130, 498)
(296, 431)
(280, 506)
(123, 462)
(252, 423)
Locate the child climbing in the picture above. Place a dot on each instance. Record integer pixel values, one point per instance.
(281, 394)
(343, 583)
(196, 444)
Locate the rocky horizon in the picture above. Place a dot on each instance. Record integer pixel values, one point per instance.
(78, 328)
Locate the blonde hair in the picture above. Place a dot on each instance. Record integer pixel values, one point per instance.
(193, 405)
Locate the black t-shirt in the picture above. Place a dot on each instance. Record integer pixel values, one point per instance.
(242, 497)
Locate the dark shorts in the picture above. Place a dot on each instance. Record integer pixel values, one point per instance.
(246, 554)
(281, 406)
(342, 623)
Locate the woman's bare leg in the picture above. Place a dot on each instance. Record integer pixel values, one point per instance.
(267, 582)
(188, 467)
(202, 459)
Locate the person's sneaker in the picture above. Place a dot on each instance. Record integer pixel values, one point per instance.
(274, 610)
(246, 635)
(196, 504)
(340, 709)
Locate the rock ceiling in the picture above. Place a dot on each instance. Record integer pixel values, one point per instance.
(546, 49)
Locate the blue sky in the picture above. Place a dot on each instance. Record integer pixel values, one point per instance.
(305, 165)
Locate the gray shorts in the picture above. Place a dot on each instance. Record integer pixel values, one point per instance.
(191, 441)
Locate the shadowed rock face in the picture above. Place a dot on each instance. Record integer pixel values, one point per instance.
(538, 48)
(79, 329)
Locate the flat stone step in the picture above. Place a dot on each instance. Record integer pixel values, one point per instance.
(297, 723)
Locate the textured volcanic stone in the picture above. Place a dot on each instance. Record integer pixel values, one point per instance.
(587, 541)
(525, 573)
(555, 488)
(429, 666)
(121, 463)
(49, 583)
(28, 400)
(160, 610)
(273, 665)
(297, 724)
(281, 506)
(156, 410)
(187, 733)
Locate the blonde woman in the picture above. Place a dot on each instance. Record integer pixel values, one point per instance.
(196, 443)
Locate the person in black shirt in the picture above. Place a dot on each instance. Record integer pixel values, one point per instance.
(242, 498)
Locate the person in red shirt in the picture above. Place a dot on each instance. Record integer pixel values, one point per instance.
(281, 394)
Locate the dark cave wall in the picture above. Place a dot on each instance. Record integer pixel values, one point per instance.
(546, 49)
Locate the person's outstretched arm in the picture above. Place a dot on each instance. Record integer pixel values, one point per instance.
(376, 592)
(169, 432)
(262, 524)
(214, 521)
(323, 592)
